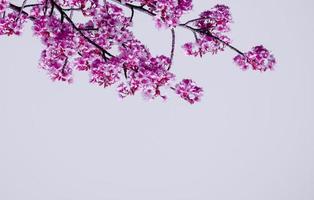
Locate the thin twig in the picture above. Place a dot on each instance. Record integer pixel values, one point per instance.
(22, 7)
(173, 44)
(132, 14)
(33, 5)
(18, 9)
(194, 20)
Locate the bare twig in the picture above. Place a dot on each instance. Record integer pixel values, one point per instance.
(173, 44)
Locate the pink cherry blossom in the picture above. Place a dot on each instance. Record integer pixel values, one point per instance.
(3, 5)
(217, 20)
(104, 46)
(206, 44)
(209, 30)
(167, 12)
(259, 58)
(105, 73)
(123, 90)
(189, 91)
(12, 23)
(56, 63)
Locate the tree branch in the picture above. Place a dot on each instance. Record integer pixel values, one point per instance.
(195, 20)
(173, 44)
(19, 9)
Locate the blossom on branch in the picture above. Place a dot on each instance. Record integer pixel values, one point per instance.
(12, 23)
(209, 31)
(259, 58)
(167, 12)
(104, 46)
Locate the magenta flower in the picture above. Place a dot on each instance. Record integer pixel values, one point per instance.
(258, 58)
(3, 5)
(206, 44)
(216, 20)
(104, 46)
(189, 91)
(12, 23)
(210, 29)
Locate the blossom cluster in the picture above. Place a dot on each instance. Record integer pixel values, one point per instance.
(214, 23)
(259, 58)
(11, 23)
(3, 5)
(167, 12)
(105, 47)
(189, 91)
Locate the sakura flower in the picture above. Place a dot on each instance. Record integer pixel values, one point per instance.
(206, 44)
(189, 91)
(259, 58)
(103, 45)
(216, 20)
(12, 23)
(150, 76)
(56, 63)
(105, 73)
(3, 5)
(168, 13)
(123, 90)
(212, 26)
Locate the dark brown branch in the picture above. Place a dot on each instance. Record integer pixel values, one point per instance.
(64, 65)
(46, 7)
(71, 9)
(173, 44)
(195, 20)
(132, 14)
(32, 5)
(51, 10)
(89, 29)
(19, 9)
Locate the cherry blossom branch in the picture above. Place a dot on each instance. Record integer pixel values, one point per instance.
(184, 25)
(19, 9)
(195, 20)
(135, 7)
(143, 72)
(22, 7)
(63, 14)
(206, 32)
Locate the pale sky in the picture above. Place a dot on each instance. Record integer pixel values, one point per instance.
(251, 137)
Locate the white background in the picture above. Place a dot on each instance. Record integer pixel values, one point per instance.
(251, 137)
